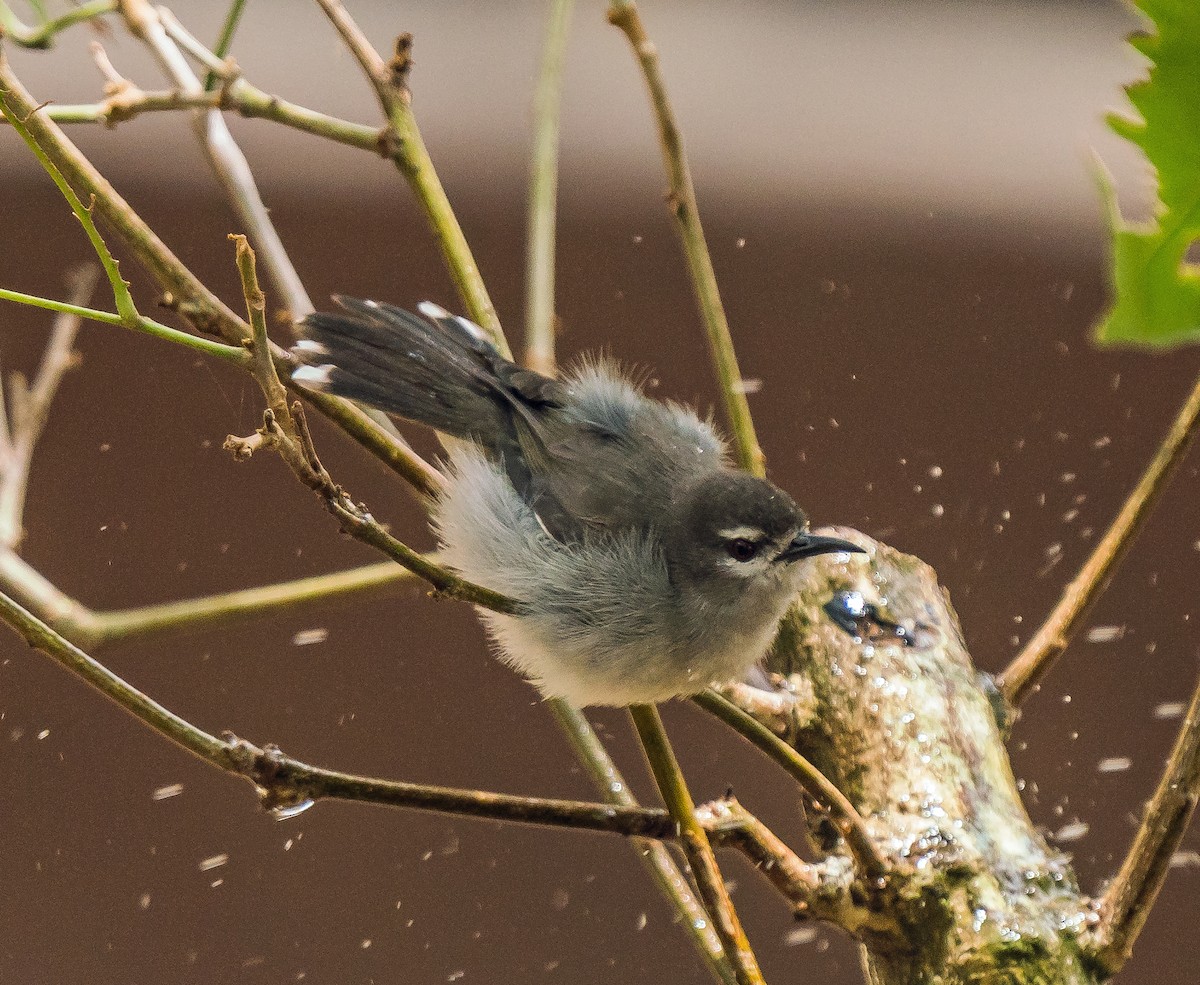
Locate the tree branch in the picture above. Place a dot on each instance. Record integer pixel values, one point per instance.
(44, 34)
(682, 201)
(403, 144)
(694, 841)
(185, 294)
(22, 430)
(540, 319)
(285, 429)
(658, 861)
(1021, 676)
(151, 26)
(849, 822)
(286, 783)
(1127, 902)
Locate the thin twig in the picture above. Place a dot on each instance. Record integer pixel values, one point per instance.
(228, 353)
(148, 24)
(1128, 900)
(284, 428)
(284, 782)
(402, 143)
(694, 840)
(540, 318)
(818, 786)
(1028, 668)
(22, 433)
(233, 18)
(185, 293)
(682, 201)
(121, 296)
(44, 34)
(671, 880)
(37, 634)
(122, 624)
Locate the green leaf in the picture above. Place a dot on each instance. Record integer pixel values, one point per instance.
(1156, 290)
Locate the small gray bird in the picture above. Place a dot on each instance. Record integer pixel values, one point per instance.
(645, 566)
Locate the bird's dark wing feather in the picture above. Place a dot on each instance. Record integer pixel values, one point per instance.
(590, 454)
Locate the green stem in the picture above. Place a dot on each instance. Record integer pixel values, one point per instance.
(1021, 677)
(694, 841)
(543, 194)
(228, 29)
(206, 312)
(818, 786)
(37, 634)
(682, 200)
(121, 624)
(44, 34)
(149, 326)
(402, 142)
(124, 300)
(673, 884)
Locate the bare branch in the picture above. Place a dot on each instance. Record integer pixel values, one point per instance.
(185, 294)
(820, 891)
(694, 840)
(671, 880)
(826, 796)
(540, 319)
(1027, 669)
(224, 155)
(44, 34)
(1127, 902)
(402, 142)
(22, 434)
(284, 429)
(682, 201)
(285, 783)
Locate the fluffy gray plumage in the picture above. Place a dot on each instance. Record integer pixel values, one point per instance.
(646, 568)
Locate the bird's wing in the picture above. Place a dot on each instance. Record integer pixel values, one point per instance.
(610, 458)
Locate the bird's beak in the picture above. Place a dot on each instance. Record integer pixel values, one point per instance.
(809, 545)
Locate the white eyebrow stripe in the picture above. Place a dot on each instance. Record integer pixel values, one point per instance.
(742, 533)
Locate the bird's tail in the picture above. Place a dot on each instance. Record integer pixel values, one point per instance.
(438, 370)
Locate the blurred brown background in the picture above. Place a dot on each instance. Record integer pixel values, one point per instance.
(901, 215)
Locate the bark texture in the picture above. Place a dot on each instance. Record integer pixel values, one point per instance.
(896, 714)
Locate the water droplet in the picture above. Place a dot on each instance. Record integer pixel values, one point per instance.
(291, 810)
(214, 862)
(307, 637)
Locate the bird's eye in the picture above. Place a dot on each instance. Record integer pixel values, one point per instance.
(741, 549)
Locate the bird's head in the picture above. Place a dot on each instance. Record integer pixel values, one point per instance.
(736, 533)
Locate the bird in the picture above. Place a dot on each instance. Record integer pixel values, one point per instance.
(644, 565)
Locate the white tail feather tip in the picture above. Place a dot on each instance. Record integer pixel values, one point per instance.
(313, 377)
(431, 310)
